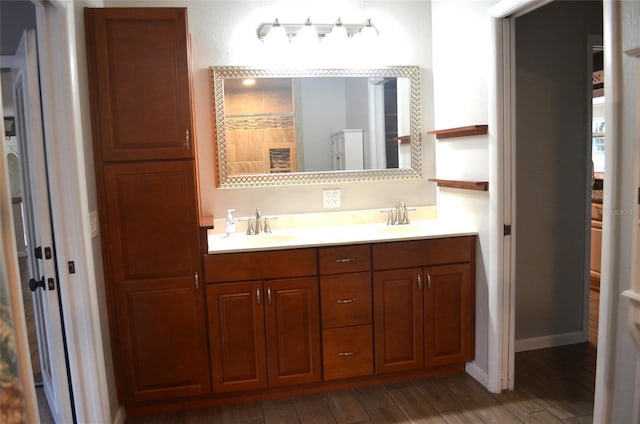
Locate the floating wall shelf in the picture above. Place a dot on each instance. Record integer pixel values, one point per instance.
(467, 185)
(404, 139)
(460, 131)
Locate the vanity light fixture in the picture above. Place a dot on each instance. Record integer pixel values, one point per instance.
(307, 36)
(339, 30)
(276, 37)
(247, 82)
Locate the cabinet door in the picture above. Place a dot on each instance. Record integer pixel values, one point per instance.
(162, 350)
(151, 262)
(449, 315)
(398, 320)
(293, 331)
(139, 71)
(236, 336)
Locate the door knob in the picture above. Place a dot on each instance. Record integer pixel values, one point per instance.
(34, 284)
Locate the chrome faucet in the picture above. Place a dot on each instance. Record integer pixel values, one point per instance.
(401, 213)
(258, 223)
(258, 227)
(398, 215)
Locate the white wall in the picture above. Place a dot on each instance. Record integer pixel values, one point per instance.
(223, 33)
(461, 62)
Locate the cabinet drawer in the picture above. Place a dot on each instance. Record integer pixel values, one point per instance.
(347, 352)
(345, 299)
(416, 253)
(247, 266)
(596, 211)
(340, 259)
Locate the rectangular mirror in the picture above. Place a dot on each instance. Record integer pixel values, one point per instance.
(279, 127)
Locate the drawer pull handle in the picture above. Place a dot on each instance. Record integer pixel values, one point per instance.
(346, 353)
(344, 260)
(429, 281)
(269, 294)
(258, 295)
(419, 282)
(343, 301)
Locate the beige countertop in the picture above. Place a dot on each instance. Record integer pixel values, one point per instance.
(336, 235)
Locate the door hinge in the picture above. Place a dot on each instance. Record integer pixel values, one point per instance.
(38, 253)
(507, 229)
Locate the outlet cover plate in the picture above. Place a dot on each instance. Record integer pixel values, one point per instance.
(331, 198)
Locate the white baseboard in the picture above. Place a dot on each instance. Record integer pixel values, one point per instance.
(552, 340)
(477, 373)
(121, 416)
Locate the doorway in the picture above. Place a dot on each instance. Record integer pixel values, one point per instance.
(13, 153)
(552, 165)
(24, 150)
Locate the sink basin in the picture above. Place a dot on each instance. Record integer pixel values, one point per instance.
(401, 229)
(269, 238)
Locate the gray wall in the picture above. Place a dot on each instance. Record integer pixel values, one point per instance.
(318, 121)
(15, 16)
(551, 167)
(357, 104)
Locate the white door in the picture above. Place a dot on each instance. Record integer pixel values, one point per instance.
(40, 247)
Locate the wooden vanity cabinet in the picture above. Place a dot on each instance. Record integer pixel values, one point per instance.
(265, 332)
(346, 309)
(424, 312)
(139, 64)
(449, 314)
(398, 320)
(237, 336)
(139, 80)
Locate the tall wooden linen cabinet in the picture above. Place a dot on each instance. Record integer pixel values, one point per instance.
(141, 109)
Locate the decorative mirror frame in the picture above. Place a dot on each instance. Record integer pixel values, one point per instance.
(224, 180)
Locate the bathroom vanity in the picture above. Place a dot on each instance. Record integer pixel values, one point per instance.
(195, 323)
(312, 310)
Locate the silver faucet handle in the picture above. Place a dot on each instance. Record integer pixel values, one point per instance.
(250, 228)
(267, 226)
(389, 213)
(406, 215)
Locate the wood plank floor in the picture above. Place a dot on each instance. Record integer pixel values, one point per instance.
(553, 385)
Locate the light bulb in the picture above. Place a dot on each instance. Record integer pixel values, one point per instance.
(277, 36)
(339, 33)
(369, 32)
(307, 36)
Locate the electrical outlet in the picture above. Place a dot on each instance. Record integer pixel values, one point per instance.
(93, 219)
(331, 198)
